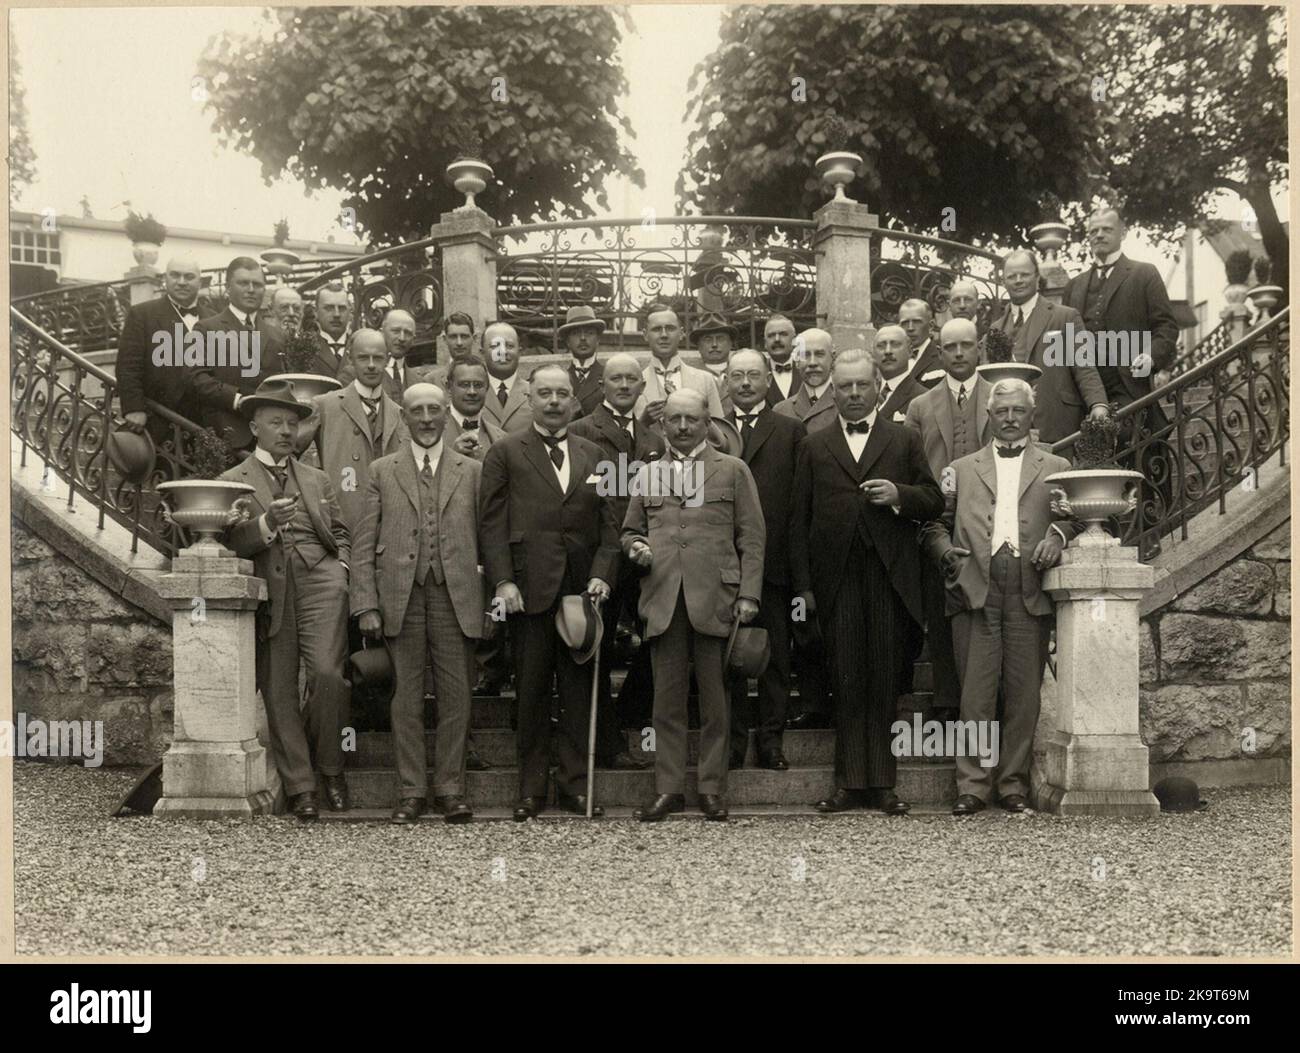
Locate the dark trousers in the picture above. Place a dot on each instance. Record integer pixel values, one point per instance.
(633, 707)
(541, 658)
(812, 675)
(773, 685)
(864, 634)
(313, 630)
(671, 656)
(1001, 644)
(938, 638)
(429, 628)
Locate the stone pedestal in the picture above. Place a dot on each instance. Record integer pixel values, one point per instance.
(469, 269)
(215, 766)
(842, 244)
(144, 283)
(1096, 760)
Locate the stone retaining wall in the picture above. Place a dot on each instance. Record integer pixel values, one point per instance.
(1216, 662)
(81, 652)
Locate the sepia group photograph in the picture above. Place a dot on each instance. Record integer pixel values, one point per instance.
(661, 483)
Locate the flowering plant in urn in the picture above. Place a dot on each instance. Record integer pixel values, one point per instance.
(1097, 488)
(999, 361)
(206, 504)
(839, 166)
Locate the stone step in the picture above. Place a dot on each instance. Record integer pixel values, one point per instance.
(923, 784)
(620, 812)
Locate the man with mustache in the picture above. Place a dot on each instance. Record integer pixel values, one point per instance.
(812, 403)
(580, 333)
(778, 343)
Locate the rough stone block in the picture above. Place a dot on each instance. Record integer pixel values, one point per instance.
(56, 590)
(1191, 722)
(24, 545)
(1242, 587)
(48, 657)
(1208, 647)
(131, 655)
(1267, 713)
(1274, 545)
(1282, 589)
(1148, 667)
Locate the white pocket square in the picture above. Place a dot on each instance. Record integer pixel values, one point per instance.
(594, 477)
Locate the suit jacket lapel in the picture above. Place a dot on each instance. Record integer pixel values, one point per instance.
(758, 435)
(840, 449)
(515, 400)
(1116, 278)
(878, 441)
(254, 474)
(311, 498)
(577, 464)
(608, 426)
(406, 478)
(1035, 325)
(1030, 466)
(536, 452)
(981, 396)
(985, 469)
(450, 465)
(392, 415)
(943, 415)
(355, 409)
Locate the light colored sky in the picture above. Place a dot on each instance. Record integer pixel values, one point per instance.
(111, 116)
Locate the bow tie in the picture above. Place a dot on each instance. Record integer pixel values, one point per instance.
(857, 427)
(1010, 451)
(470, 425)
(777, 367)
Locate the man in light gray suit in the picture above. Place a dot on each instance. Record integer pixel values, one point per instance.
(813, 403)
(417, 583)
(507, 403)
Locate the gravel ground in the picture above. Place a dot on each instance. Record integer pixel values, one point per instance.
(1218, 882)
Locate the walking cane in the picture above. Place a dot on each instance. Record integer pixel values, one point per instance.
(591, 724)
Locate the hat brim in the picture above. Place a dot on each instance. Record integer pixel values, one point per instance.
(252, 403)
(593, 323)
(133, 469)
(724, 437)
(373, 671)
(699, 334)
(593, 631)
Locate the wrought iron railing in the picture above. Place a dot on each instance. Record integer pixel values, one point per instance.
(1206, 433)
(906, 266)
(61, 407)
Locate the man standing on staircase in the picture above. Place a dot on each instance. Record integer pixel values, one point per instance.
(507, 404)
(417, 583)
(667, 372)
(778, 342)
(861, 488)
(333, 316)
(812, 403)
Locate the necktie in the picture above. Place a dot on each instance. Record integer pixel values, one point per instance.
(1010, 451)
(279, 472)
(1103, 272)
(580, 375)
(666, 378)
(857, 427)
(372, 406)
(746, 421)
(777, 367)
(427, 471)
(885, 392)
(623, 422)
(961, 396)
(812, 399)
(470, 425)
(502, 394)
(557, 454)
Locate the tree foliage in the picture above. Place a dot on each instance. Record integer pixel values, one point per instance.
(22, 158)
(986, 110)
(373, 100)
(1200, 94)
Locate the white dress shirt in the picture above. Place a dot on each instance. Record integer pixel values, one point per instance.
(1027, 307)
(187, 315)
(629, 427)
(783, 381)
(433, 452)
(888, 387)
(562, 472)
(496, 382)
(368, 393)
(956, 386)
(1006, 517)
(815, 394)
(1108, 261)
(858, 442)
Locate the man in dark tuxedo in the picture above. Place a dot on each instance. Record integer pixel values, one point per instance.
(545, 532)
(899, 383)
(1066, 391)
(241, 348)
(861, 488)
(333, 319)
(771, 446)
(580, 333)
(139, 376)
(627, 441)
(952, 420)
(778, 342)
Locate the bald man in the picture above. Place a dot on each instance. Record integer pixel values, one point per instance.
(398, 330)
(138, 377)
(964, 301)
(507, 404)
(416, 583)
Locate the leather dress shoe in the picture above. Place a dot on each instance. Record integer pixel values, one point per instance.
(889, 803)
(773, 760)
(808, 721)
(304, 805)
(661, 808)
(453, 809)
(967, 804)
(473, 762)
(735, 760)
(336, 793)
(628, 761)
(578, 805)
(408, 810)
(713, 806)
(529, 808)
(1015, 803)
(842, 800)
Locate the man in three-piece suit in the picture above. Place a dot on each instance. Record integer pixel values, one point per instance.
(299, 545)
(860, 489)
(952, 420)
(771, 447)
(996, 537)
(1065, 392)
(812, 403)
(667, 372)
(624, 441)
(695, 521)
(355, 426)
(252, 341)
(544, 533)
(778, 343)
(580, 333)
(416, 581)
(507, 403)
(139, 376)
(899, 383)
(468, 428)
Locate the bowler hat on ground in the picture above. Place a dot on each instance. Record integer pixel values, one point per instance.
(712, 323)
(580, 318)
(132, 453)
(580, 626)
(1178, 794)
(748, 651)
(273, 392)
(372, 670)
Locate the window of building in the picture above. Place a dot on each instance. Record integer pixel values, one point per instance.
(34, 246)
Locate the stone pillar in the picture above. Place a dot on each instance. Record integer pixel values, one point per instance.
(842, 245)
(215, 767)
(144, 282)
(469, 268)
(1096, 760)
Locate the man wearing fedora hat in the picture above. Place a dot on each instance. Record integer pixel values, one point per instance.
(546, 532)
(715, 338)
(694, 521)
(416, 582)
(299, 545)
(580, 333)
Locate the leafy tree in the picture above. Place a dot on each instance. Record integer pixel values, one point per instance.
(22, 158)
(374, 100)
(1201, 97)
(986, 110)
